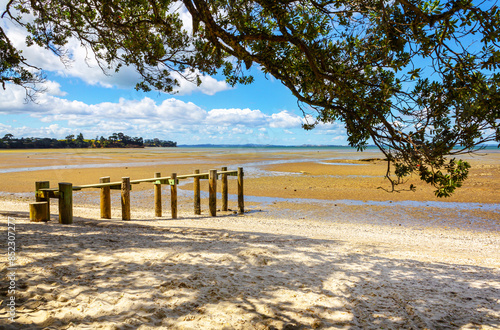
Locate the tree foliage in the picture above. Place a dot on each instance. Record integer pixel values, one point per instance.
(419, 78)
(14, 69)
(116, 140)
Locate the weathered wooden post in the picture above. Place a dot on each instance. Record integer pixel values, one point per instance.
(158, 196)
(196, 188)
(105, 198)
(173, 195)
(241, 203)
(65, 203)
(38, 211)
(125, 198)
(38, 195)
(212, 192)
(224, 189)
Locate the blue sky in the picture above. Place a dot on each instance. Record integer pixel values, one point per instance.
(81, 98)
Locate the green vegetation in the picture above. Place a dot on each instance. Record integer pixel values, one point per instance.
(116, 140)
(418, 78)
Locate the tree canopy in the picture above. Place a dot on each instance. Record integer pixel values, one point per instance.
(13, 67)
(417, 78)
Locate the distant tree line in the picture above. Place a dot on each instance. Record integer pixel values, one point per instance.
(159, 143)
(115, 140)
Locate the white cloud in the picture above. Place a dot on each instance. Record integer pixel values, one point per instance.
(209, 85)
(144, 114)
(241, 130)
(176, 110)
(284, 119)
(230, 117)
(51, 131)
(53, 88)
(12, 100)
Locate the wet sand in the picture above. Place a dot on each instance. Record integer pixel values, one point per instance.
(329, 175)
(320, 247)
(319, 184)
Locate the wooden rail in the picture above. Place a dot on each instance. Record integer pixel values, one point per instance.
(64, 193)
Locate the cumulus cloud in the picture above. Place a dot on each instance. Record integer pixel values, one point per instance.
(53, 130)
(284, 119)
(338, 138)
(53, 88)
(209, 85)
(143, 115)
(230, 117)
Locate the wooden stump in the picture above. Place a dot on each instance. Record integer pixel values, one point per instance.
(65, 203)
(224, 189)
(196, 188)
(173, 195)
(158, 196)
(42, 185)
(241, 203)
(38, 211)
(105, 199)
(212, 192)
(126, 198)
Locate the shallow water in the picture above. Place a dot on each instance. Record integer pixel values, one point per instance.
(444, 205)
(250, 167)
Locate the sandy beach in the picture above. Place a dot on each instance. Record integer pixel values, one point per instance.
(320, 247)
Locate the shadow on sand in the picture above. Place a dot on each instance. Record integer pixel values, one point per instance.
(125, 275)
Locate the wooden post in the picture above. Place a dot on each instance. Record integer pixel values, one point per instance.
(38, 211)
(126, 198)
(65, 203)
(212, 192)
(158, 196)
(224, 190)
(42, 185)
(241, 203)
(105, 199)
(173, 195)
(196, 188)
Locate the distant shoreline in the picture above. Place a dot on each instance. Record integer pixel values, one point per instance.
(369, 147)
(116, 140)
(221, 146)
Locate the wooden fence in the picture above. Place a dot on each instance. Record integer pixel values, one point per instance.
(40, 210)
